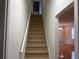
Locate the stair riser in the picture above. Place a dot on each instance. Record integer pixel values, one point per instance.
(38, 57)
(32, 37)
(36, 40)
(36, 31)
(36, 53)
(36, 27)
(36, 24)
(39, 35)
(43, 52)
(38, 45)
(34, 21)
(39, 30)
(36, 50)
(45, 55)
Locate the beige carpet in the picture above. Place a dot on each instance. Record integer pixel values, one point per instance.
(36, 44)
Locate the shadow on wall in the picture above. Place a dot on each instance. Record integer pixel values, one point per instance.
(2, 23)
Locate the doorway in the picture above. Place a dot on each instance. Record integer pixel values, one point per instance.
(66, 33)
(36, 7)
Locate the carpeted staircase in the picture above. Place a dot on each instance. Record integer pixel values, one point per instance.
(36, 44)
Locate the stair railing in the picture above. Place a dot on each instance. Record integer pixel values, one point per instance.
(24, 42)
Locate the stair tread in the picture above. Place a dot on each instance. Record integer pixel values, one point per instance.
(37, 50)
(38, 23)
(36, 53)
(36, 28)
(37, 35)
(37, 19)
(36, 32)
(35, 43)
(32, 45)
(34, 39)
(37, 40)
(30, 37)
(36, 56)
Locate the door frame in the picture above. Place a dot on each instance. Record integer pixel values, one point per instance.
(5, 29)
(75, 5)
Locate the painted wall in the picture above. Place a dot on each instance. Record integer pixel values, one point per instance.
(50, 9)
(18, 13)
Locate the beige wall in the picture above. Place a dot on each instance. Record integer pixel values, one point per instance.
(50, 9)
(18, 13)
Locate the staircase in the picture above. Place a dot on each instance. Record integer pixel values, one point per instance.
(36, 44)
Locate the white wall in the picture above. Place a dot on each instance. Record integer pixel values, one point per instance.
(18, 13)
(50, 9)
